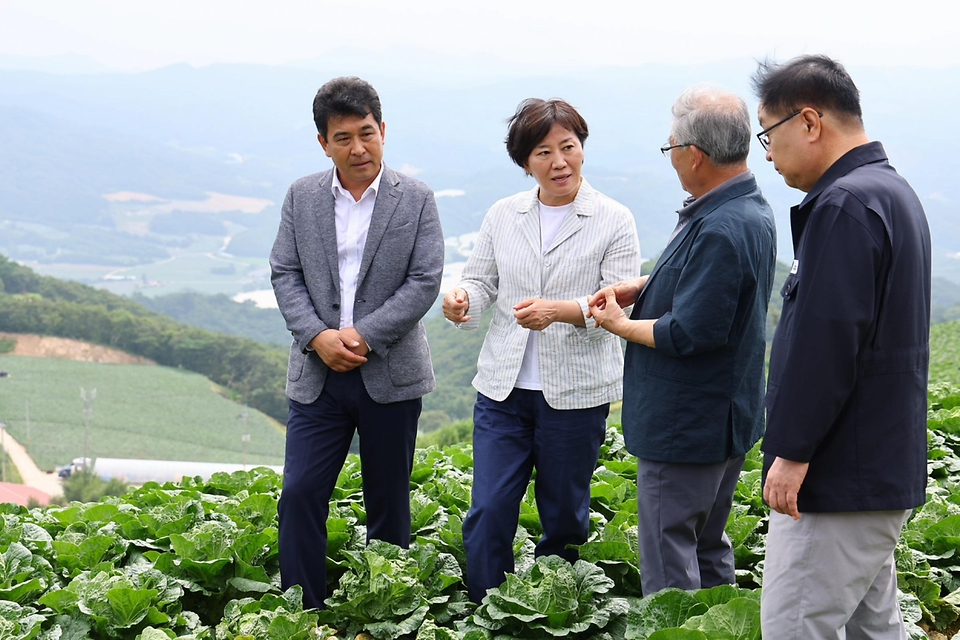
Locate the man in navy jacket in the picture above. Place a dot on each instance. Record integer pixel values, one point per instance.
(693, 371)
(846, 434)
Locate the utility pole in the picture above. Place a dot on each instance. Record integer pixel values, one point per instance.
(3, 452)
(87, 414)
(245, 438)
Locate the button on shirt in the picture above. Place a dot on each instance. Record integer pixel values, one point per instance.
(353, 222)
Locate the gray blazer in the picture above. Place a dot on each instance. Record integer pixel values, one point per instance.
(398, 283)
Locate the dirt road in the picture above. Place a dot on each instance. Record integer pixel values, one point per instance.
(31, 475)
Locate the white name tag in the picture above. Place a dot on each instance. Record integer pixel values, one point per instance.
(796, 265)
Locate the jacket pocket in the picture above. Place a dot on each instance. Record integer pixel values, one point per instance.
(789, 290)
(659, 299)
(408, 362)
(789, 295)
(295, 364)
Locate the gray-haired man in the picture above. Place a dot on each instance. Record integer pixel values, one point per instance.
(693, 372)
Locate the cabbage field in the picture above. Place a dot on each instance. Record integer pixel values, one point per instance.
(198, 559)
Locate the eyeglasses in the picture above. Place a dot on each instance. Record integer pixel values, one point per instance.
(665, 149)
(764, 136)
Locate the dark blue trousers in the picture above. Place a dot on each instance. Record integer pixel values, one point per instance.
(318, 439)
(510, 439)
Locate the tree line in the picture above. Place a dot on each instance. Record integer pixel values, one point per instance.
(253, 373)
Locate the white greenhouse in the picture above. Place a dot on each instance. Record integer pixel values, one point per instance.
(140, 471)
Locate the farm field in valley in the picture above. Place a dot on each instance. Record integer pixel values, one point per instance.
(140, 411)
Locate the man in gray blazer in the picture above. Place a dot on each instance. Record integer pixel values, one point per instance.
(355, 266)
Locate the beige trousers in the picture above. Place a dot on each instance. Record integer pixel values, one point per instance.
(831, 576)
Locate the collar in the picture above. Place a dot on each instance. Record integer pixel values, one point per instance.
(720, 192)
(339, 191)
(582, 204)
(857, 157)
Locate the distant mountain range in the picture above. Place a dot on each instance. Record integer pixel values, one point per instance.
(179, 134)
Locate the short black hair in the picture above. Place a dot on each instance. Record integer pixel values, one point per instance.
(532, 122)
(807, 81)
(346, 96)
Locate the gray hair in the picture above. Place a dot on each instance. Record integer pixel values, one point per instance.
(715, 120)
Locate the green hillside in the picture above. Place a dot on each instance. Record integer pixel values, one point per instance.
(221, 314)
(30, 303)
(139, 412)
(945, 353)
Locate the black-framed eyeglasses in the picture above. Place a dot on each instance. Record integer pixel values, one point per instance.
(764, 136)
(665, 149)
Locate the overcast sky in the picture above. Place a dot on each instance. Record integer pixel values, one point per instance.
(557, 35)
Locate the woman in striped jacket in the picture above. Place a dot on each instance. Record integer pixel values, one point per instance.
(545, 376)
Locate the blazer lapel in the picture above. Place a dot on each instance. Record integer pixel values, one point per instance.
(528, 222)
(388, 197)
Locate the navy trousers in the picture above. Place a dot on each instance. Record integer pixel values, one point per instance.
(510, 439)
(318, 439)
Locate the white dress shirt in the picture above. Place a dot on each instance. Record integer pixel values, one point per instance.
(353, 222)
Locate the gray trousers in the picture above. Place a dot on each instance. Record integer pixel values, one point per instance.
(831, 576)
(683, 511)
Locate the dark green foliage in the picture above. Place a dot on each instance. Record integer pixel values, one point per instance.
(253, 371)
(945, 353)
(448, 435)
(220, 313)
(454, 353)
(432, 420)
(946, 300)
(87, 486)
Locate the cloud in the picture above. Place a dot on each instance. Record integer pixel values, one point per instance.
(410, 170)
(263, 298)
(130, 196)
(449, 193)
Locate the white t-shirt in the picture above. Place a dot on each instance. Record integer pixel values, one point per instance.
(550, 220)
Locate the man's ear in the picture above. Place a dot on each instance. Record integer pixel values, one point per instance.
(383, 131)
(323, 143)
(811, 123)
(698, 156)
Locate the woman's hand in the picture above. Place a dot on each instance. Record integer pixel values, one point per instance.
(625, 292)
(535, 313)
(605, 309)
(455, 305)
